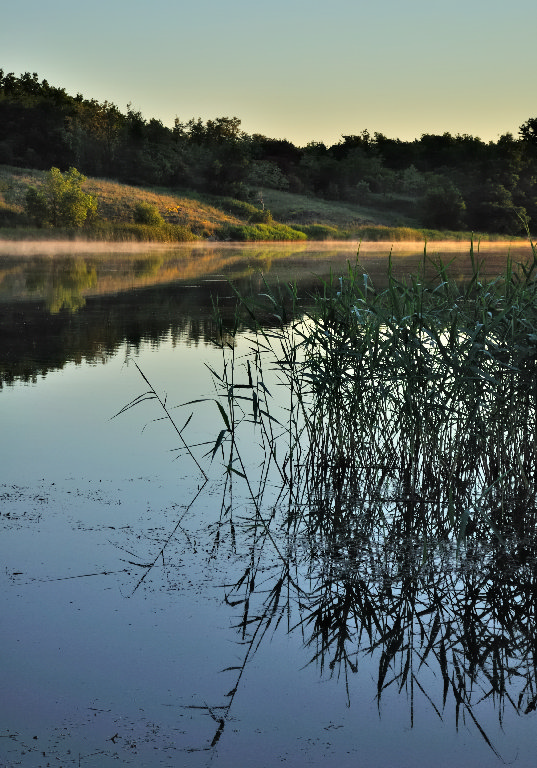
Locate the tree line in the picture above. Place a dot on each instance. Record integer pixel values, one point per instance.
(445, 181)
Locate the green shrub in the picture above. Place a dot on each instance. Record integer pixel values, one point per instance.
(239, 208)
(322, 232)
(123, 231)
(61, 201)
(261, 217)
(37, 207)
(254, 232)
(443, 207)
(145, 213)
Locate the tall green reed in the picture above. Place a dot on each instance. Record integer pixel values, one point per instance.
(413, 406)
(365, 440)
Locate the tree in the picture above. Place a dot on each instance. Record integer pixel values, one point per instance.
(492, 208)
(528, 131)
(61, 202)
(443, 206)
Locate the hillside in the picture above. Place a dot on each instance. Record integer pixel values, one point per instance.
(286, 215)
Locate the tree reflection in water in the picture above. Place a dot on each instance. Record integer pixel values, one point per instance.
(64, 284)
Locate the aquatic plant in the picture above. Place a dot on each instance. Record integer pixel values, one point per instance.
(393, 500)
(414, 405)
(379, 455)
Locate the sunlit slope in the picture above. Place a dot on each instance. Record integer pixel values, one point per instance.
(269, 215)
(203, 214)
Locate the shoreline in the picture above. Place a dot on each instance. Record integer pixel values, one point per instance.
(31, 247)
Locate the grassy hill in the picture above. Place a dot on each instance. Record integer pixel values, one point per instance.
(189, 215)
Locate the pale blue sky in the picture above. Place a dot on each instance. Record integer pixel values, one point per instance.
(304, 70)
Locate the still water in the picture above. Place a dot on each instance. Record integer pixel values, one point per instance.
(133, 631)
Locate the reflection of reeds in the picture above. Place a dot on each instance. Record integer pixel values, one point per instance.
(391, 500)
(408, 432)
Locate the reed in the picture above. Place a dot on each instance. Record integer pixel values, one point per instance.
(413, 406)
(380, 457)
(395, 482)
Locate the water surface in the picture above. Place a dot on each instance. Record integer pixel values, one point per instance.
(106, 659)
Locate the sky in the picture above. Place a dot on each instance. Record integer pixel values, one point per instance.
(302, 70)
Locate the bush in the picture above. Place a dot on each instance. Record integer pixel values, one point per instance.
(129, 232)
(443, 206)
(322, 232)
(261, 217)
(239, 208)
(61, 201)
(145, 213)
(252, 232)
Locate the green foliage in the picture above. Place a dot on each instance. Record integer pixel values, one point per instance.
(240, 208)
(492, 206)
(376, 233)
(266, 173)
(252, 232)
(322, 232)
(61, 202)
(37, 206)
(145, 213)
(416, 403)
(140, 233)
(42, 126)
(528, 131)
(261, 217)
(443, 206)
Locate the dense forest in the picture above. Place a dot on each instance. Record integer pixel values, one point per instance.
(453, 182)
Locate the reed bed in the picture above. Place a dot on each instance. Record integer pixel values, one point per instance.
(395, 487)
(380, 454)
(413, 406)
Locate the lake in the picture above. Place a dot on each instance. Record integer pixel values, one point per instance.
(151, 614)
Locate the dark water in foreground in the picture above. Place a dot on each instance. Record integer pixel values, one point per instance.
(140, 627)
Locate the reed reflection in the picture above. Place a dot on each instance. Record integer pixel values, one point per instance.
(391, 512)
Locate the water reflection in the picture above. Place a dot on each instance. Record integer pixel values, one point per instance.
(449, 633)
(62, 307)
(362, 568)
(448, 626)
(62, 285)
(336, 566)
(390, 498)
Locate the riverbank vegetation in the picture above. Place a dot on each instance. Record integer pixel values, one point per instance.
(437, 182)
(379, 459)
(409, 409)
(172, 216)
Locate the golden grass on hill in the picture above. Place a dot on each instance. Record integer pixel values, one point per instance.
(117, 202)
(192, 214)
